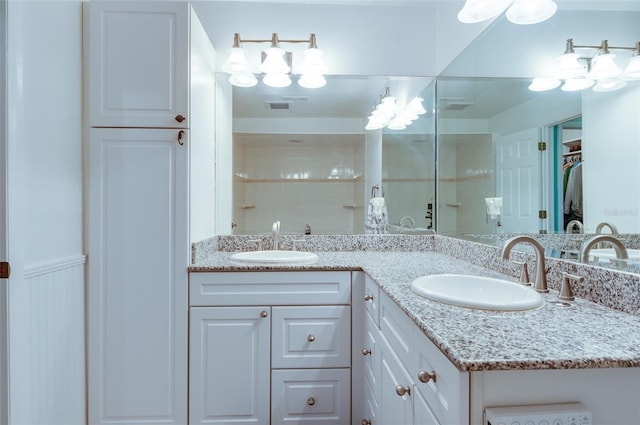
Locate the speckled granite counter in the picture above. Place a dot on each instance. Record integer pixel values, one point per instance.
(584, 335)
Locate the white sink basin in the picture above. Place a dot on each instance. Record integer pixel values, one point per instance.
(610, 253)
(477, 292)
(286, 257)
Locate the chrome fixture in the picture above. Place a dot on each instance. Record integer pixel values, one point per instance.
(524, 272)
(612, 228)
(386, 113)
(573, 225)
(566, 294)
(411, 222)
(275, 232)
(276, 64)
(521, 12)
(540, 284)
(621, 251)
(598, 70)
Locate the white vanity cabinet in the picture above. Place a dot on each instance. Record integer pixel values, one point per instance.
(270, 348)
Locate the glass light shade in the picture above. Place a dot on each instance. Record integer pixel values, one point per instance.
(388, 104)
(480, 10)
(575, 84)
(569, 66)
(396, 124)
(236, 62)
(632, 71)
(416, 107)
(526, 12)
(374, 124)
(603, 66)
(544, 84)
(609, 85)
(274, 63)
(243, 80)
(312, 81)
(312, 62)
(277, 80)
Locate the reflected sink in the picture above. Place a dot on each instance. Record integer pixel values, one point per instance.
(610, 254)
(477, 292)
(275, 256)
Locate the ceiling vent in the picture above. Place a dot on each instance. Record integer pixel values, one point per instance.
(457, 106)
(279, 105)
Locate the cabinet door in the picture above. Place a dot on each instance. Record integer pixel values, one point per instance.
(138, 63)
(396, 388)
(137, 285)
(229, 376)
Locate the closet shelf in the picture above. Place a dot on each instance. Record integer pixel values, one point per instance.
(572, 153)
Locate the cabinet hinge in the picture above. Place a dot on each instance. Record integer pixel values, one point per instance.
(542, 146)
(542, 214)
(5, 270)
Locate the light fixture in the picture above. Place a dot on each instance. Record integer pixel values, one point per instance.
(599, 70)
(522, 12)
(386, 113)
(276, 64)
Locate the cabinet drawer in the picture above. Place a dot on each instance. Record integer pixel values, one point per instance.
(398, 329)
(372, 299)
(317, 396)
(447, 396)
(315, 336)
(260, 288)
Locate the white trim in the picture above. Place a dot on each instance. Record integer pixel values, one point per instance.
(54, 266)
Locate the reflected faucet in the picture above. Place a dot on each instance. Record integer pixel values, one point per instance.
(275, 232)
(614, 230)
(540, 284)
(411, 221)
(621, 251)
(574, 224)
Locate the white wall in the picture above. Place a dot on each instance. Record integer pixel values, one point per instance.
(46, 291)
(611, 135)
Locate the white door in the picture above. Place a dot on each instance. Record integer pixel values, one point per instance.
(229, 365)
(137, 292)
(518, 181)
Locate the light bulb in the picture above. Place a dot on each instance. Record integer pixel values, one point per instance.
(632, 71)
(277, 80)
(312, 62)
(544, 84)
(236, 62)
(609, 85)
(603, 67)
(243, 80)
(569, 66)
(312, 81)
(480, 10)
(274, 63)
(416, 106)
(396, 124)
(575, 84)
(526, 12)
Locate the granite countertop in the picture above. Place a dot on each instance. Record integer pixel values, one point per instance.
(582, 335)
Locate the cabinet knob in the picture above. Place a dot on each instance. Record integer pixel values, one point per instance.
(180, 118)
(366, 422)
(311, 338)
(263, 313)
(425, 376)
(400, 390)
(311, 401)
(366, 351)
(368, 297)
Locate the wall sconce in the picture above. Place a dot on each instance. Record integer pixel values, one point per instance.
(521, 12)
(599, 71)
(386, 113)
(276, 64)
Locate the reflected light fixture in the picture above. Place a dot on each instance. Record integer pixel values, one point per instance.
(599, 70)
(387, 114)
(521, 12)
(276, 64)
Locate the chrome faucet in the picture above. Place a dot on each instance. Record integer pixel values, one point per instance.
(614, 230)
(573, 224)
(540, 284)
(621, 251)
(275, 232)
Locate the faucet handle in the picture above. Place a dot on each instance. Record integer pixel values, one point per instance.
(258, 242)
(566, 294)
(524, 272)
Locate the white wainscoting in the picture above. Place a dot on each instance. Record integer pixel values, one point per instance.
(57, 341)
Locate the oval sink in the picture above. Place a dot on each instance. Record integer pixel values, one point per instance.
(276, 256)
(610, 254)
(477, 292)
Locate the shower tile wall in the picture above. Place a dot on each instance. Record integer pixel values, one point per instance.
(298, 184)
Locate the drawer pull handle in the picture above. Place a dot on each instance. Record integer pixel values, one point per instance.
(400, 390)
(263, 313)
(366, 351)
(425, 376)
(311, 401)
(366, 422)
(368, 297)
(311, 338)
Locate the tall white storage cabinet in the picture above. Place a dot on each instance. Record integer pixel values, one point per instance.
(138, 80)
